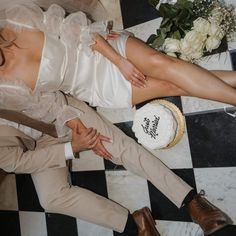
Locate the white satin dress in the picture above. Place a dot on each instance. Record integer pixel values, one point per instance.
(68, 64)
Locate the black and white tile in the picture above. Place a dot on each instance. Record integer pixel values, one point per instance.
(205, 158)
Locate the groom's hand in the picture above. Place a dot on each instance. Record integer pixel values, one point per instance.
(86, 139)
(99, 148)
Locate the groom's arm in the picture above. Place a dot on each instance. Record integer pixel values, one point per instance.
(15, 159)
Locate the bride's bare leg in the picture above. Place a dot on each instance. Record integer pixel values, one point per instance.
(155, 89)
(228, 77)
(159, 88)
(194, 80)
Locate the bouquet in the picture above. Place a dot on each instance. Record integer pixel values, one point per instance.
(192, 29)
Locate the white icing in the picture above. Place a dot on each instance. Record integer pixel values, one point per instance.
(154, 126)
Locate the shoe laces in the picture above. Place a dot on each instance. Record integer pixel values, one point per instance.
(202, 193)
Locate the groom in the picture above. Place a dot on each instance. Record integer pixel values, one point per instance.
(45, 158)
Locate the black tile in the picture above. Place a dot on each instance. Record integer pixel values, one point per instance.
(212, 139)
(111, 166)
(233, 58)
(162, 207)
(92, 180)
(9, 223)
(126, 127)
(27, 196)
(229, 230)
(61, 225)
(135, 12)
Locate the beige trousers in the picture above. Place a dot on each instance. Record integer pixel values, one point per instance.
(56, 195)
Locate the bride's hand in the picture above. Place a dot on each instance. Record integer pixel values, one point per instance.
(131, 73)
(112, 35)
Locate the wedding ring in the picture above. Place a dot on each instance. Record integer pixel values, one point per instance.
(136, 75)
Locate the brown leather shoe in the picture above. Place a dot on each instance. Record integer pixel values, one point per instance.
(146, 224)
(209, 217)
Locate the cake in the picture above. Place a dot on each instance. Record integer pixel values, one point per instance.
(158, 124)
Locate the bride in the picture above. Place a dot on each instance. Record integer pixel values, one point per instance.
(48, 52)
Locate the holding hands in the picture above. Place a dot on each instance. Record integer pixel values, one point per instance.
(87, 139)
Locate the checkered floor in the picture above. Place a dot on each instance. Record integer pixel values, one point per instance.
(205, 158)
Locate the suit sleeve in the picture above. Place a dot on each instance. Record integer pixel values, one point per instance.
(15, 159)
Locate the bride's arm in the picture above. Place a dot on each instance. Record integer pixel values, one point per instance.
(129, 71)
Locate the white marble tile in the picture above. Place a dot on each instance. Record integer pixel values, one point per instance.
(176, 157)
(88, 229)
(8, 193)
(174, 228)
(144, 30)
(219, 61)
(117, 115)
(192, 104)
(32, 223)
(88, 161)
(220, 187)
(127, 189)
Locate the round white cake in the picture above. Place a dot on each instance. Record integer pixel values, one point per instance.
(155, 125)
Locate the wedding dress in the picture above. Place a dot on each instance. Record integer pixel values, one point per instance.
(67, 62)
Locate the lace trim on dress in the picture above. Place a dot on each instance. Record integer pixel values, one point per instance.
(47, 107)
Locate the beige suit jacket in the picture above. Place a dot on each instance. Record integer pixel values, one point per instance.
(19, 153)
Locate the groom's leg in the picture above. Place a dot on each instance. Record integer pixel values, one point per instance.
(56, 195)
(135, 158)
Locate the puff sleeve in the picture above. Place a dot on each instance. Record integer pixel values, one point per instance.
(75, 30)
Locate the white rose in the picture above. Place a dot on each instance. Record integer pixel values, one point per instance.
(201, 25)
(215, 30)
(197, 54)
(193, 40)
(172, 2)
(212, 43)
(171, 45)
(172, 54)
(191, 49)
(216, 15)
(184, 57)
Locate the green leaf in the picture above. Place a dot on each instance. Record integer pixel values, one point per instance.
(167, 27)
(176, 35)
(163, 34)
(168, 11)
(153, 2)
(151, 38)
(184, 4)
(165, 22)
(183, 15)
(158, 42)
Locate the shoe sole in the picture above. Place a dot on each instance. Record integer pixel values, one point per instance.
(228, 222)
(215, 229)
